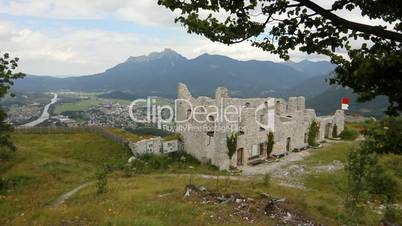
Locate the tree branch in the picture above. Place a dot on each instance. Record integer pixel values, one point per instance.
(251, 35)
(373, 30)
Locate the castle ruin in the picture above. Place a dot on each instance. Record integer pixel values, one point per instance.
(204, 130)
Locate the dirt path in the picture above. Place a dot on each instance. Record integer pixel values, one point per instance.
(284, 162)
(289, 170)
(61, 199)
(282, 170)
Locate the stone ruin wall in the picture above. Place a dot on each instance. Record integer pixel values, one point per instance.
(292, 120)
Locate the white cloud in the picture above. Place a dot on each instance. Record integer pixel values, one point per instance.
(78, 51)
(145, 12)
(74, 52)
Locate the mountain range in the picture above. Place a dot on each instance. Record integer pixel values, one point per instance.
(158, 73)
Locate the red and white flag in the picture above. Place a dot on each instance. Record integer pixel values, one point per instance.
(345, 103)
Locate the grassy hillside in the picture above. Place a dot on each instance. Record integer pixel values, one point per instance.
(47, 166)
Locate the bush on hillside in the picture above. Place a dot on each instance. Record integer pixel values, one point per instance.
(313, 134)
(335, 131)
(173, 136)
(148, 163)
(392, 216)
(384, 136)
(368, 180)
(150, 131)
(349, 134)
(101, 179)
(11, 182)
(6, 153)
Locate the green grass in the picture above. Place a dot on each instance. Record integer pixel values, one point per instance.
(359, 126)
(145, 200)
(324, 196)
(337, 151)
(129, 135)
(81, 105)
(326, 190)
(47, 166)
(349, 133)
(52, 165)
(120, 101)
(173, 163)
(174, 136)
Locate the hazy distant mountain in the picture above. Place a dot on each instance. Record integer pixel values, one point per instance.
(158, 74)
(325, 98)
(330, 100)
(309, 88)
(311, 68)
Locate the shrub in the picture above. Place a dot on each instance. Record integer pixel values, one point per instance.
(335, 131)
(7, 153)
(180, 156)
(266, 180)
(127, 170)
(313, 133)
(392, 216)
(367, 179)
(3, 185)
(270, 144)
(358, 165)
(385, 136)
(381, 182)
(148, 163)
(7, 183)
(150, 131)
(174, 136)
(349, 134)
(231, 142)
(101, 179)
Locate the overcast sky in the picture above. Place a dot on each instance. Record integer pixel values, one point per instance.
(77, 37)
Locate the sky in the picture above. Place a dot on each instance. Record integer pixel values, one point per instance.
(79, 37)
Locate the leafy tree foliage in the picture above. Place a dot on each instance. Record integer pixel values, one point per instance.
(358, 165)
(7, 75)
(371, 69)
(367, 179)
(384, 136)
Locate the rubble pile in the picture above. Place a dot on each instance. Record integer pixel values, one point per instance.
(249, 208)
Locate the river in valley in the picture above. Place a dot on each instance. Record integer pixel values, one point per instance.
(45, 114)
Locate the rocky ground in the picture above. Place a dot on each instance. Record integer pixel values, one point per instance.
(249, 209)
(290, 169)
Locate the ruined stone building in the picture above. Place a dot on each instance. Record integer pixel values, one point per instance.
(154, 145)
(204, 126)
